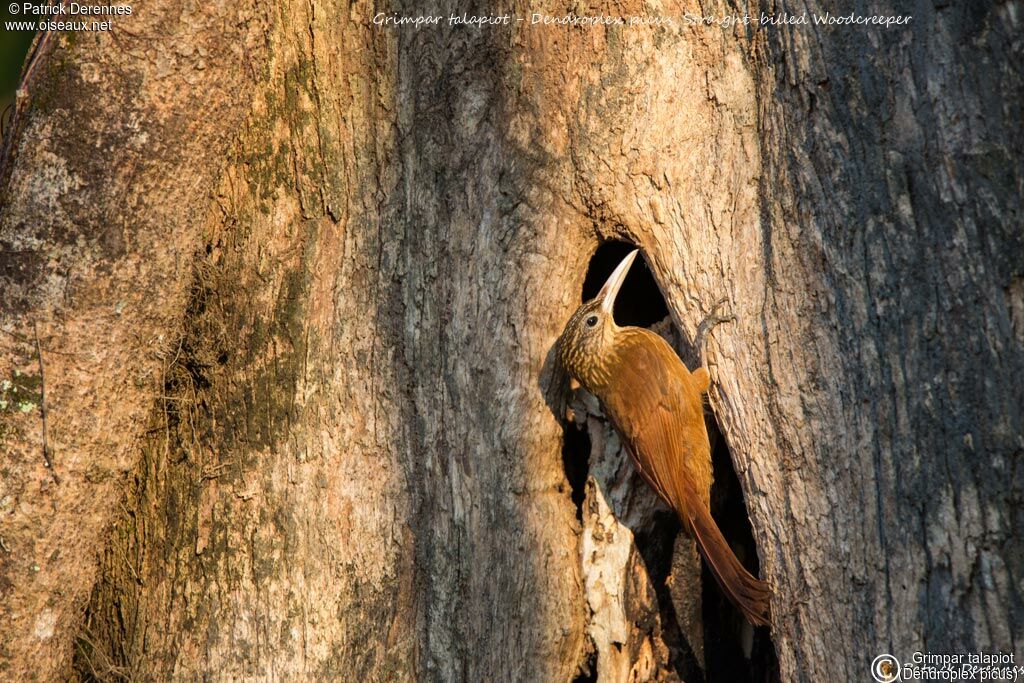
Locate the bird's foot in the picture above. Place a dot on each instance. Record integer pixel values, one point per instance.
(711, 320)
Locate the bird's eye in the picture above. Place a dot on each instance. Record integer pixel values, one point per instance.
(591, 321)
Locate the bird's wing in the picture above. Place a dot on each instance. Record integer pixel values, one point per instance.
(658, 409)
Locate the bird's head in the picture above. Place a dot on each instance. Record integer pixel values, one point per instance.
(588, 339)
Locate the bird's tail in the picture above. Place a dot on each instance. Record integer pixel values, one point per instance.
(750, 595)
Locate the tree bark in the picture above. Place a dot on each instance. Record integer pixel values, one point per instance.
(115, 153)
(296, 326)
(890, 336)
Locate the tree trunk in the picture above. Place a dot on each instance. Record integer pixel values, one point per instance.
(296, 279)
(114, 154)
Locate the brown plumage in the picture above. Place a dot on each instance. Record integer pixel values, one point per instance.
(657, 407)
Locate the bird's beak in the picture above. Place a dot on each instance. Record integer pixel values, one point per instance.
(611, 287)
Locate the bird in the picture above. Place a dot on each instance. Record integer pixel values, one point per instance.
(657, 407)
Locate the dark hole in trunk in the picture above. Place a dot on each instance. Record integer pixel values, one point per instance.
(733, 651)
(588, 671)
(640, 302)
(576, 461)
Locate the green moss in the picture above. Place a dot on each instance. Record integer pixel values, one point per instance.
(20, 393)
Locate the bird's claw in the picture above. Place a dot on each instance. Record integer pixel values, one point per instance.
(714, 318)
(711, 320)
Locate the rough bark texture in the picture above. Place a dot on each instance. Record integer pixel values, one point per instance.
(326, 362)
(123, 138)
(889, 331)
